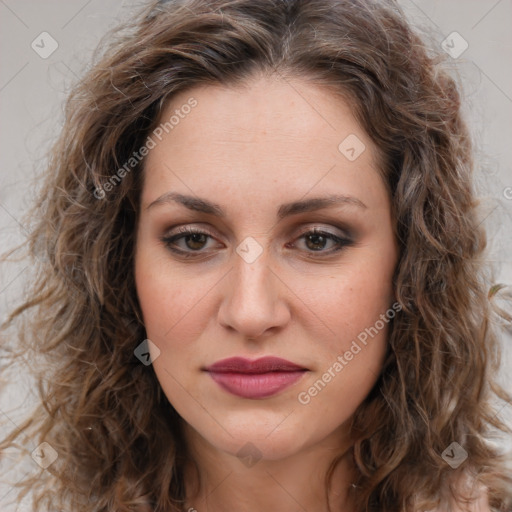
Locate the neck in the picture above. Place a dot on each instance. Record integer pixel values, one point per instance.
(222, 481)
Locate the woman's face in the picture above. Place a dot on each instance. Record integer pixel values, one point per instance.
(251, 170)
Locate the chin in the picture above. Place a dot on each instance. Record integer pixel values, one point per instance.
(259, 439)
(261, 447)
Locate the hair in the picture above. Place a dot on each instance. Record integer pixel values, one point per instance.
(118, 439)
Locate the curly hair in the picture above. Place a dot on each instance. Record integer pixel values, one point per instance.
(117, 437)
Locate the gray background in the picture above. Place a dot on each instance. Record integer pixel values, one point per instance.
(32, 90)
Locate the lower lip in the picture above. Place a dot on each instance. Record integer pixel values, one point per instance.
(257, 385)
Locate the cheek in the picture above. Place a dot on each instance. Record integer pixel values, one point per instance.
(347, 303)
(171, 300)
(348, 371)
(171, 310)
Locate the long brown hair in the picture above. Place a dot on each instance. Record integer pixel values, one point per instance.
(103, 412)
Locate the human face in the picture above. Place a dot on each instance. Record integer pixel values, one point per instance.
(253, 285)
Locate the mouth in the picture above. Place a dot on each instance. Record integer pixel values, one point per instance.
(257, 379)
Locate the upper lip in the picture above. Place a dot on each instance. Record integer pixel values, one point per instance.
(262, 365)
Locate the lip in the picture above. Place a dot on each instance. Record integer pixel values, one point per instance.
(256, 379)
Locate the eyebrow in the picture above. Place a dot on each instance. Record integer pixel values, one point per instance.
(285, 210)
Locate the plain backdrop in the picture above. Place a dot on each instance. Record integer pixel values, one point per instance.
(477, 34)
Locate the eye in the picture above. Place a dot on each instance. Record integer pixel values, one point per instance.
(195, 240)
(316, 240)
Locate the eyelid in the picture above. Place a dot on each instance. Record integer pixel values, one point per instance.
(341, 242)
(191, 229)
(327, 229)
(185, 229)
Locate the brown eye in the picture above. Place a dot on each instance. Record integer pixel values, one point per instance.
(194, 241)
(316, 241)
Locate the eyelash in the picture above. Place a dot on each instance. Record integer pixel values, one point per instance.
(185, 231)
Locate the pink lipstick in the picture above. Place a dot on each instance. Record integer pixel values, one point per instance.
(261, 378)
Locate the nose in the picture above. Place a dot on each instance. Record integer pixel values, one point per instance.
(254, 299)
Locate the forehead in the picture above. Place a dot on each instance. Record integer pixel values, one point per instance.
(271, 132)
(280, 107)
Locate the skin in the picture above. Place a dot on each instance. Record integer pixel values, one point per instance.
(250, 149)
